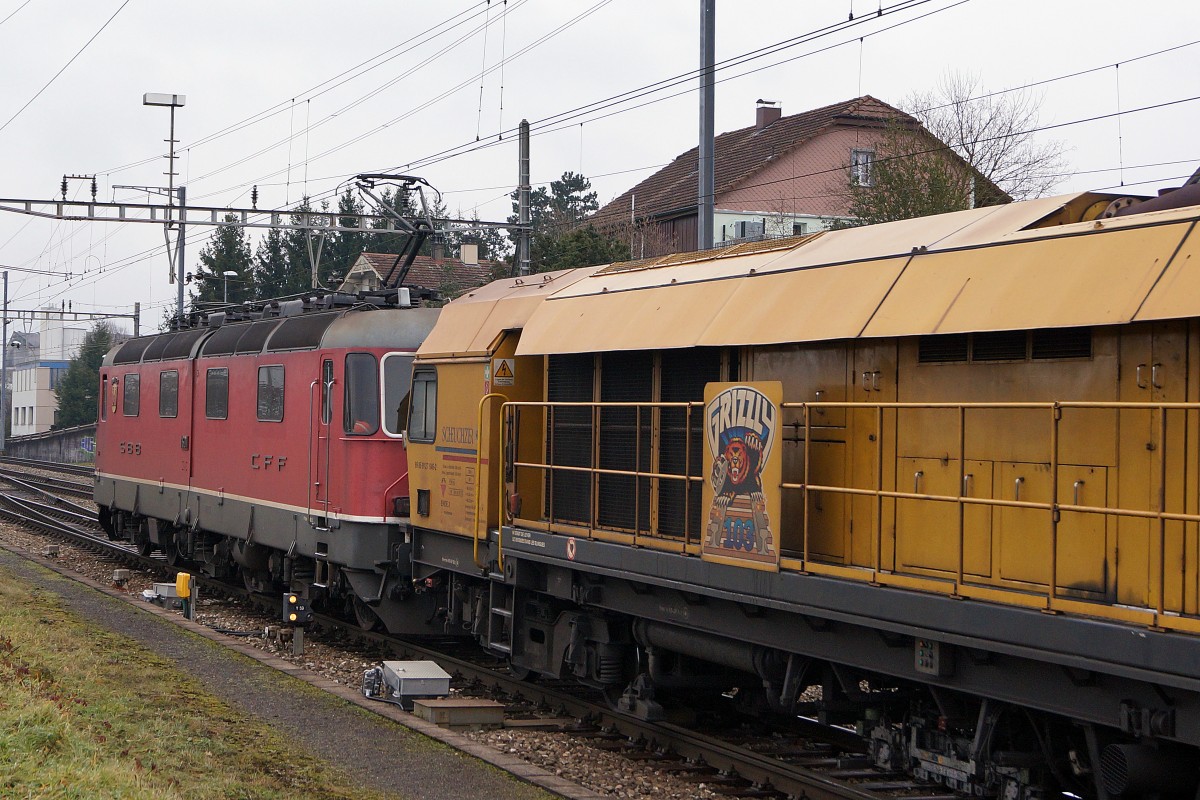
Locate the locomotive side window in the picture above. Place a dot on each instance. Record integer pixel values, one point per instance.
(361, 403)
(397, 380)
(168, 393)
(103, 397)
(422, 422)
(216, 394)
(270, 394)
(132, 400)
(326, 392)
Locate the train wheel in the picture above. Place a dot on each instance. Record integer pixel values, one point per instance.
(170, 551)
(367, 619)
(256, 580)
(141, 538)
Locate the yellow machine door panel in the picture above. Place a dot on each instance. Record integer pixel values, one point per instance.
(927, 530)
(1153, 369)
(1083, 538)
(874, 381)
(826, 510)
(810, 373)
(1022, 535)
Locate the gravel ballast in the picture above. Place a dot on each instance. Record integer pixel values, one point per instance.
(565, 764)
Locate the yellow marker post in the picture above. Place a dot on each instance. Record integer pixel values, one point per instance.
(188, 592)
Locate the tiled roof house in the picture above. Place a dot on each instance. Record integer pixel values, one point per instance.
(781, 176)
(448, 275)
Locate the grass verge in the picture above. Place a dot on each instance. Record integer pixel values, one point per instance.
(86, 713)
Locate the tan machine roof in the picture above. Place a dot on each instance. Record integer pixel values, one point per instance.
(472, 322)
(983, 269)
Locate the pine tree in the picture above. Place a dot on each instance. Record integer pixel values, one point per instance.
(344, 246)
(78, 390)
(227, 251)
(402, 203)
(295, 249)
(270, 267)
(407, 205)
(556, 214)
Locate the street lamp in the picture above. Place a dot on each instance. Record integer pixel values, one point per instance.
(172, 101)
(226, 275)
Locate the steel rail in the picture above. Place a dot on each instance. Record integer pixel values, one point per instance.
(56, 466)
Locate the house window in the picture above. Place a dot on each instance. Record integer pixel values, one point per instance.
(862, 167)
(799, 228)
(216, 394)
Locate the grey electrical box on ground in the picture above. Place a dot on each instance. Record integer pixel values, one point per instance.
(403, 681)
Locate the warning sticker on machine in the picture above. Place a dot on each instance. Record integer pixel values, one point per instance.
(504, 371)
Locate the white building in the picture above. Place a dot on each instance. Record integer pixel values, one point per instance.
(35, 375)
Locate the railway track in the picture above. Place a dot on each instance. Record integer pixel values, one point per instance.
(53, 466)
(808, 761)
(52, 484)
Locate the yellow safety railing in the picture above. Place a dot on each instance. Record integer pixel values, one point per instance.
(690, 483)
(957, 584)
(480, 446)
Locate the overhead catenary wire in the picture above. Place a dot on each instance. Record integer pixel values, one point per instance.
(579, 111)
(13, 13)
(765, 67)
(351, 105)
(70, 61)
(325, 86)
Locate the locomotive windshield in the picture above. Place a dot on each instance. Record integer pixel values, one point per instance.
(362, 395)
(397, 380)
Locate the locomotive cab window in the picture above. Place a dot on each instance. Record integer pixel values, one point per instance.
(361, 403)
(103, 397)
(132, 399)
(168, 393)
(216, 394)
(397, 380)
(422, 421)
(326, 392)
(270, 394)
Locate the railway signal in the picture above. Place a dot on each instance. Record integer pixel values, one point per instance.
(295, 609)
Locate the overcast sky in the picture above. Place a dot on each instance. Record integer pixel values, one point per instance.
(332, 90)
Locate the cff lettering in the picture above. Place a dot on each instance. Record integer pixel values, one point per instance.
(260, 461)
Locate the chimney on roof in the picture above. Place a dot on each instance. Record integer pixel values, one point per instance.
(469, 254)
(766, 113)
(439, 249)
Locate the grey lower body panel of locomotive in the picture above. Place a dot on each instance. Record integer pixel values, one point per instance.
(358, 545)
(1124, 677)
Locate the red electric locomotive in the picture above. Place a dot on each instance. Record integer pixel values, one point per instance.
(270, 443)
